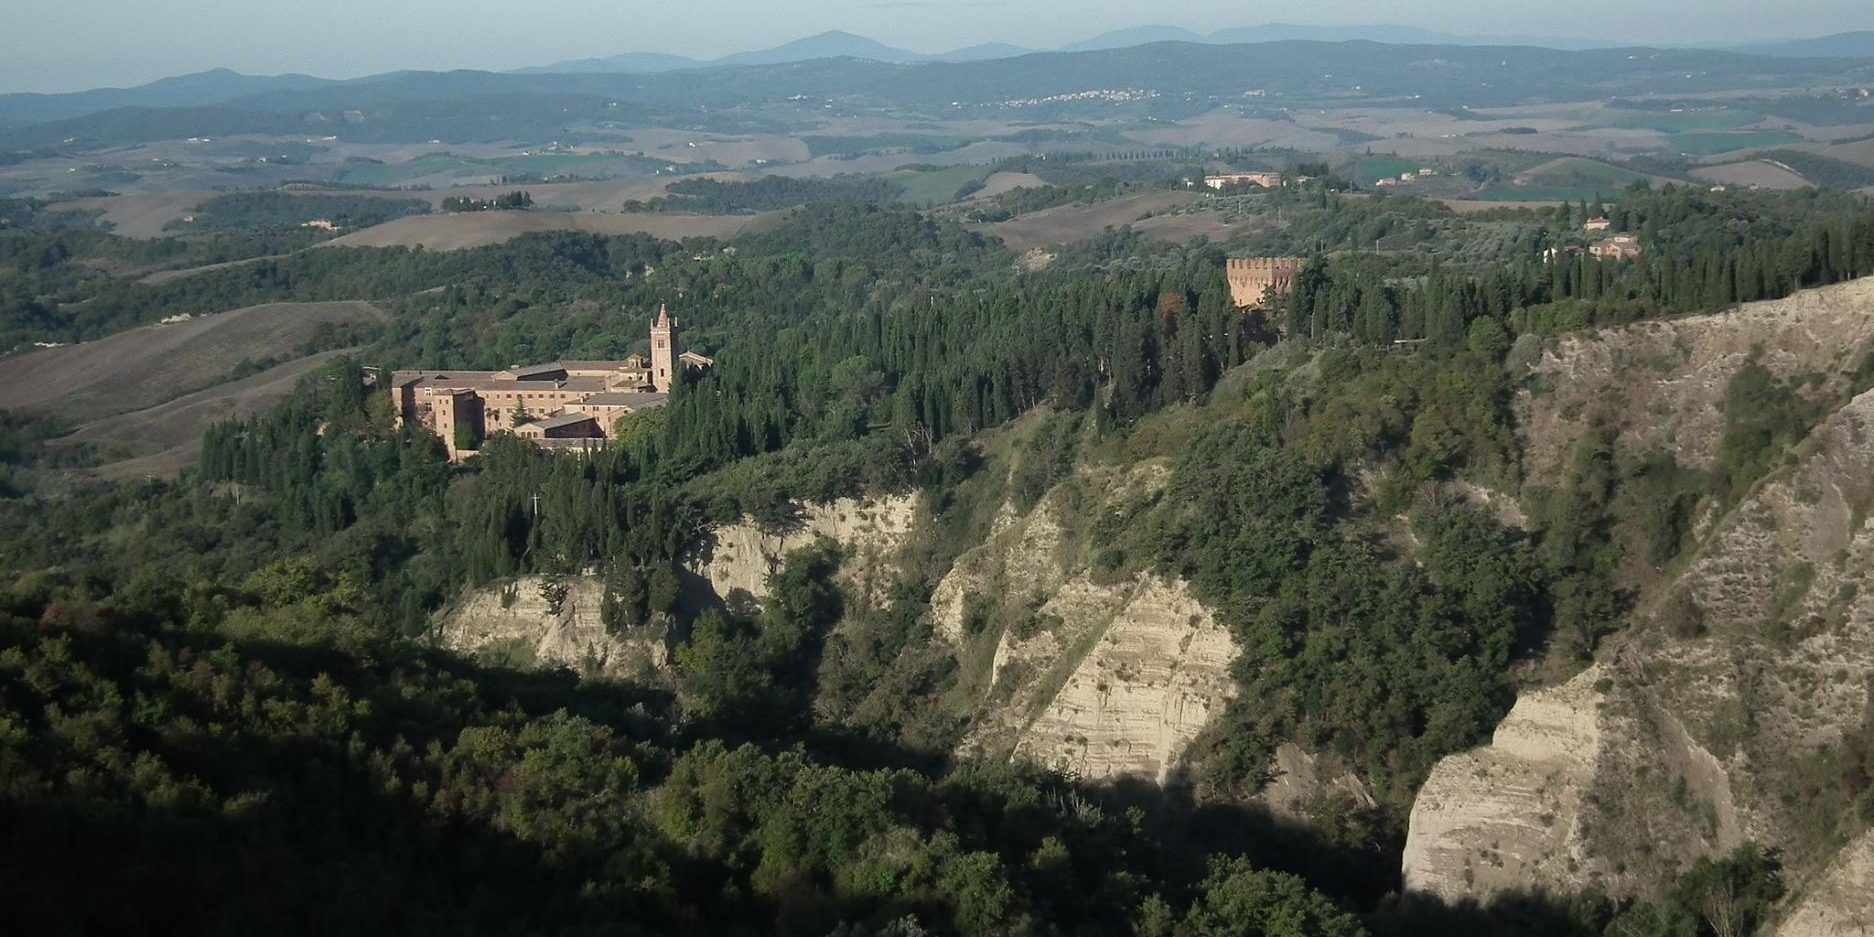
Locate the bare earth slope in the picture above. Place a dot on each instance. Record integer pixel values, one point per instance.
(1710, 722)
(1662, 384)
(1837, 904)
(515, 622)
(1103, 679)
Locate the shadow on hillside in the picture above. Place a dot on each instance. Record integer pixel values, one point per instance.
(1363, 876)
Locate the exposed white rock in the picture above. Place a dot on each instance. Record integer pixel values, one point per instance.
(1508, 815)
(1662, 383)
(737, 559)
(1159, 671)
(1840, 903)
(518, 617)
(1102, 679)
(1019, 560)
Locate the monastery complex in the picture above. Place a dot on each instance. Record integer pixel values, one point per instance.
(564, 405)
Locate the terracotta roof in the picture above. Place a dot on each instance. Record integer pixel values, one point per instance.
(564, 419)
(626, 399)
(402, 378)
(591, 365)
(521, 372)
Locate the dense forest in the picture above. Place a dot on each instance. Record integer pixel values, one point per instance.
(227, 677)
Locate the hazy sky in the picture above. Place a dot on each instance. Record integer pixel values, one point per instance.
(59, 45)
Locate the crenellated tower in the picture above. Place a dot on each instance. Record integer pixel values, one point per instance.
(1252, 278)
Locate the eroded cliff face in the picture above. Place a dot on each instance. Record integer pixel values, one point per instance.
(1102, 677)
(1157, 672)
(514, 622)
(1708, 723)
(1509, 814)
(1746, 670)
(1838, 903)
(1662, 384)
(736, 560)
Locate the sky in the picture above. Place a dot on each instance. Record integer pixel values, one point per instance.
(66, 45)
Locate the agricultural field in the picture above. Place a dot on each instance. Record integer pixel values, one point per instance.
(443, 169)
(1182, 227)
(151, 365)
(592, 195)
(1068, 223)
(1582, 173)
(1714, 142)
(140, 400)
(1541, 194)
(1224, 128)
(1002, 182)
(477, 229)
(140, 216)
(733, 150)
(939, 186)
(1757, 173)
(1677, 121)
(162, 440)
(1373, 169)
(1473, 206)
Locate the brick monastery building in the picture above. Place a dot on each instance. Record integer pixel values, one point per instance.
(565, 405)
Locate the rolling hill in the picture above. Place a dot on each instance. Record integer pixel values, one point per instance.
(827, 45)
(1165, 80)
(201, 88)
(1851, 45)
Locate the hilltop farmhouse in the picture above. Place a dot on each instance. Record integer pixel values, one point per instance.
(564, 405)
(1268, 180)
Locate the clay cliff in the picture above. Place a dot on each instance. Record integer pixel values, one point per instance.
(514, 622)
(1709, 721)
(1101, 677)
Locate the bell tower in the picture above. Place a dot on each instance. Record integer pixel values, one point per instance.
(663, 350)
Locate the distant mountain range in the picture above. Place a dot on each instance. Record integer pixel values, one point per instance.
(838, 44)
(827, 45)
(216, 86)
(1280, 32)
(222, 96)
(1856, 45)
